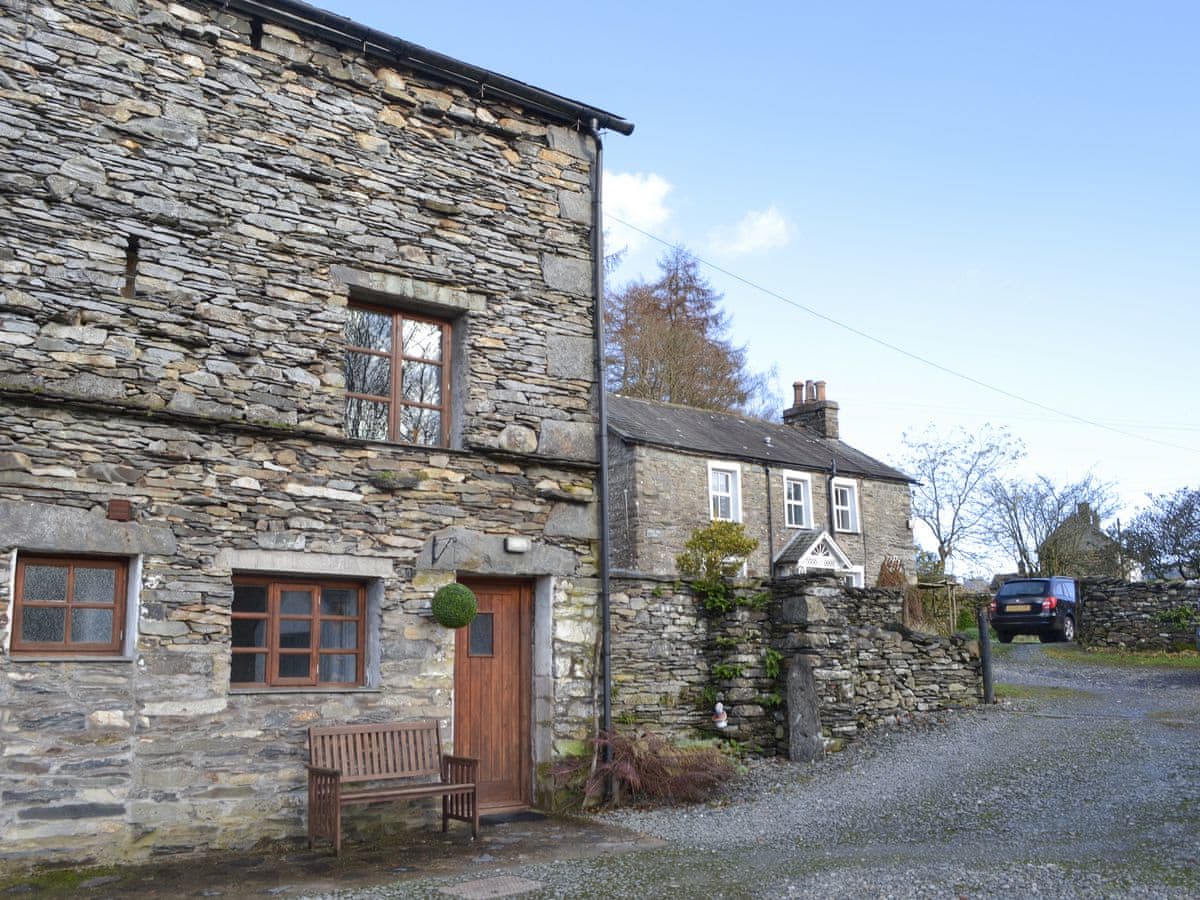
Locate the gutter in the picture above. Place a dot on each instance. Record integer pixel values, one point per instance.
(478, 82)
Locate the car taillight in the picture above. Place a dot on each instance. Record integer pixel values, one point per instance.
(1050, 603)
(992, 608)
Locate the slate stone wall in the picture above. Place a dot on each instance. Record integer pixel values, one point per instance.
(672, 660)
(659, 497)
(265, 187)
(1142, 615)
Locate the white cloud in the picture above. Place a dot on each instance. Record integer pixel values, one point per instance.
(637, 198)
(757, 231)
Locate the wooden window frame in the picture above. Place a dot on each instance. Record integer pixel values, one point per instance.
(397, 358)
(805, 506)
(734, 494)
(275, 586)
(66, 646)
(850, 508)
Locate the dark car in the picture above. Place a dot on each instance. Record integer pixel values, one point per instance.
(1041, 606)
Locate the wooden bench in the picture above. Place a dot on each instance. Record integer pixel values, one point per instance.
(392, 761)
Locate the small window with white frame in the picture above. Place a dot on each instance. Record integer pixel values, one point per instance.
(724, 492)
(797, 499)
(845, 505)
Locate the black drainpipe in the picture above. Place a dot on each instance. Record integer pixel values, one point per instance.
(598, 291)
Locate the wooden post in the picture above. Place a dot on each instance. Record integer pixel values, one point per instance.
(985, 654)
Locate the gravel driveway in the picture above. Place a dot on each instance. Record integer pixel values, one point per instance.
(1087, 785)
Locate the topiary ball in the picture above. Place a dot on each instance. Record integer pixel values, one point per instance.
(454, 606)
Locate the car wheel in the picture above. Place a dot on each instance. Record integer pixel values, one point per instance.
(1004, 637)
(1068, 629)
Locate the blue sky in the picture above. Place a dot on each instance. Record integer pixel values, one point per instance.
(1009, 190)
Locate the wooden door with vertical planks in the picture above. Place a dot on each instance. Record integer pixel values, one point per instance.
(493, 689)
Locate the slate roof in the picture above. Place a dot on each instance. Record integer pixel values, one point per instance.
(730, 436)
(800, 544)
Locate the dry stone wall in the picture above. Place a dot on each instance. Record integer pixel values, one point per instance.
(185, 211)
(865, 668)
(1143, 615)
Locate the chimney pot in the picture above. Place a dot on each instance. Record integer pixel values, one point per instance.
(797, 392)
(820, 390)
(810, 391)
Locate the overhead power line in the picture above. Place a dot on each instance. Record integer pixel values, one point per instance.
(858, 332)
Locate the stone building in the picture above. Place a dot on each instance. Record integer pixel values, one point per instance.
(297, 325)
(813, 503)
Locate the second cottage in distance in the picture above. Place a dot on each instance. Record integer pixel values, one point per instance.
(813, 503)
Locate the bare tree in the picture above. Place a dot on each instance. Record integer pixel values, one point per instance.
(667, 340)
(1164, 538)
(953, 470)
(1054, 529)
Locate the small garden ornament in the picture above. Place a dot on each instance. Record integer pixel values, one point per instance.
(720, 717)
(454, 606)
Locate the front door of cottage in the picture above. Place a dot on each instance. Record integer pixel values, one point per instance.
(492, 687)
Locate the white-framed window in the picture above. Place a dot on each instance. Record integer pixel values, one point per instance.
(797, 500)
(724, 491)
(845, 505)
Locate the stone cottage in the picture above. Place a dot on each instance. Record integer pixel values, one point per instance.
(297, 324)
(813, 503)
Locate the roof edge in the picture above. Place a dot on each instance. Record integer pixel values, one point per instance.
(345, 32)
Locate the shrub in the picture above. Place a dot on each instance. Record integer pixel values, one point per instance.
(454, 606)
(716, 551)
(711, 556)
(645, 768)
(891, 573)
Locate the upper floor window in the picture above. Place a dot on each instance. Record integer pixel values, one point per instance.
(297, 633)
(797, 500)
(724, 491)
(65, 604)
(397, 376)
(845, 505)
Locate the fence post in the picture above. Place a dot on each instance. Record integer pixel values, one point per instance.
(985, 654)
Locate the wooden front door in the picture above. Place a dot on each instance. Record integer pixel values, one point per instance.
(492, 686)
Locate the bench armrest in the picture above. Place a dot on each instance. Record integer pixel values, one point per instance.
(321, 770)
(459, 769)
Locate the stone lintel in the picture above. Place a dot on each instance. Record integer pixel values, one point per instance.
(463, 550)
(28, 525)
(291, 561)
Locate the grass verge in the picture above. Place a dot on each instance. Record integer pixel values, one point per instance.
(1036, 692)
(1153, 659)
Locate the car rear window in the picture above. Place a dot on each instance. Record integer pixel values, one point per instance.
(1024, 589)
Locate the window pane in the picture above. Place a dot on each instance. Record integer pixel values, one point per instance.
(249, 632)
(720, 482)
(91, 626)
(44, 626)
(339, 635)
(46, 583)
(340, 668)
(422, 383)
(295, 634)
(249, 598)
(367, 419)
(420, 426)
(293, 665)
(296, 603)
(480, 636)
(369, 329)
(421, 339)
(722, 508)
(366, 374)
(95, 585)
(248, 668)
(339, 602)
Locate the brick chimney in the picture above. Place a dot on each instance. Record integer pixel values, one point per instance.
(811, 410)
